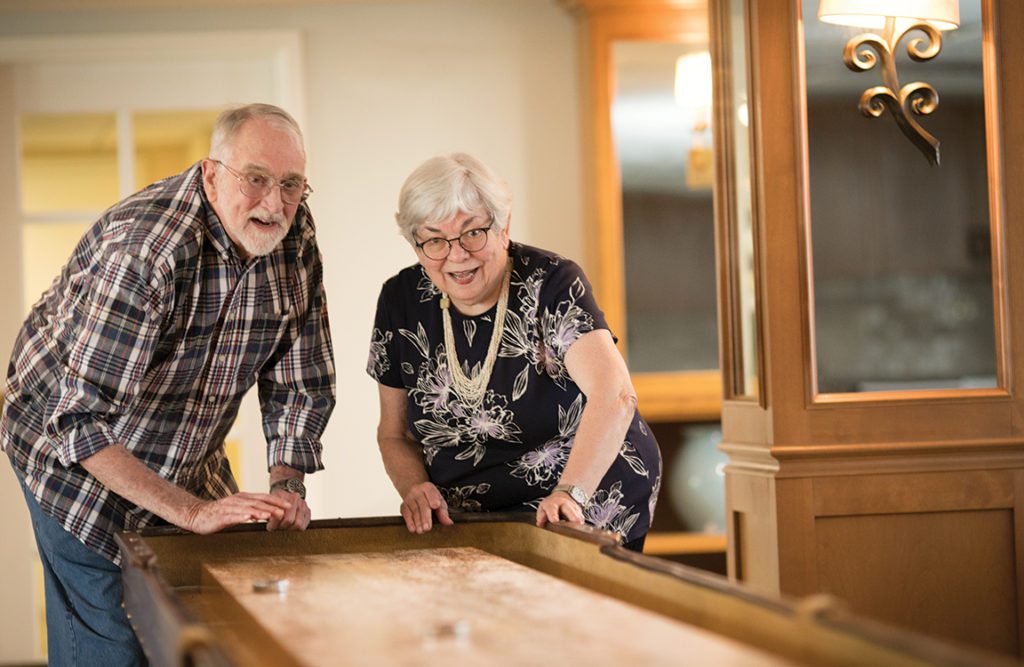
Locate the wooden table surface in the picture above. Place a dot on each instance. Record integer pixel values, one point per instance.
(454, 606)
(489, 590)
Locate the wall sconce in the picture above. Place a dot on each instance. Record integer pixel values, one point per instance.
(693, 94)
(896, 18)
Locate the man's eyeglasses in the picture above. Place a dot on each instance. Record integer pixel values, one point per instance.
(471, 240)
(257, 185)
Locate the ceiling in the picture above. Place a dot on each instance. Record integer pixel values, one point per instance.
(87, 5)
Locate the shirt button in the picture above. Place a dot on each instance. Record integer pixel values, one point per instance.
(222, 358)
(212, 399)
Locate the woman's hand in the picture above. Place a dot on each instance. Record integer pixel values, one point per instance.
(420, 504)
(559, 506)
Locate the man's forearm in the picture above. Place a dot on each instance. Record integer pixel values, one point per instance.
(118, 470)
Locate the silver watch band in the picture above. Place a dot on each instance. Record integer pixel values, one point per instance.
(577, 493)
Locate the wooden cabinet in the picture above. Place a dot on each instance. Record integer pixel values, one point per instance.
(906, 503)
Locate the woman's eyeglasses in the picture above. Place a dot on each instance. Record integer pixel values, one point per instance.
(471, 240)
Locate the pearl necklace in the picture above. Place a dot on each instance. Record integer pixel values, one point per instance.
(472, 391)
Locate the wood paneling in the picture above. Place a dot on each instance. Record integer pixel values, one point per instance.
(943, 573)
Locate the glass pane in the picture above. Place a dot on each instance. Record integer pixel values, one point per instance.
(46, 247)
(902, 271)
(68, 162)
(663, 142)
(168, 142)
(742, 204)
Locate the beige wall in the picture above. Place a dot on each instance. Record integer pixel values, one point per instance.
(387, 85)
(17, 549)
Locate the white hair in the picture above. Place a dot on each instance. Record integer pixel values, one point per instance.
(230, 121)
(446, 185)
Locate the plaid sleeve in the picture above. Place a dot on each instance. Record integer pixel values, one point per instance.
(116, 327)
(297, 393)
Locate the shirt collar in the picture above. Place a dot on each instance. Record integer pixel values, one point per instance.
(214, 228)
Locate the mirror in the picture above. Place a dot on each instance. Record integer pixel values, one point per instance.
(661, 130)
(903, 292)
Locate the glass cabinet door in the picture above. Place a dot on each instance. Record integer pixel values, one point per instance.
(903, 290)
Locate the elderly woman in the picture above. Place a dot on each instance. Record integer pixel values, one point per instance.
(500, 385)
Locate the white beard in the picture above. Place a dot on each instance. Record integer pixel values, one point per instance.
(257, 241)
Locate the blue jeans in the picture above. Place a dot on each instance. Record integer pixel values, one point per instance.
(85, 622)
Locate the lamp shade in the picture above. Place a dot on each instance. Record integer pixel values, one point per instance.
(693, 80)
(943, 14)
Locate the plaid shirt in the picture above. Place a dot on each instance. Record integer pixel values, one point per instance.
(149, 338)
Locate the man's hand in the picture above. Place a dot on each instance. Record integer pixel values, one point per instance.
(209, 516)
(419, 505)
(296, 517)
(117, 469)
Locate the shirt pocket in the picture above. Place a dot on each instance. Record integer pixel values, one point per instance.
(267, 332)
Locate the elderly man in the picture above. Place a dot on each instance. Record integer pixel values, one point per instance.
(129, 371)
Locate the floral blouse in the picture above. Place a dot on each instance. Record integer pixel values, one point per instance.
(508, 453)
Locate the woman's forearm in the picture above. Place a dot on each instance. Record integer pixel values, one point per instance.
(403, 462)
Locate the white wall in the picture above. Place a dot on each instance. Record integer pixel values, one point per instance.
(496, 79)
(389, 84)
(17, 549)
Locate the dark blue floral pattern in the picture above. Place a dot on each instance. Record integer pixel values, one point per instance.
(507, 453)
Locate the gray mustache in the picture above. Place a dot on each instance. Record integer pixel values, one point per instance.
(266, 216)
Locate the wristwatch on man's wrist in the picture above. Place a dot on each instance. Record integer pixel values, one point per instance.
(290, 484)
(575, 492)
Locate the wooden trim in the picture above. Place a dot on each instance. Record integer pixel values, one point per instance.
(730, 327)
(684, 396)
(1007, 19)
(871, 458)
(996, 193)
(727, 239)
(661, 544)
(630, 5)
(609, 281)
(757, 213)
(916, 493)
(1018, 535)
(798, 567)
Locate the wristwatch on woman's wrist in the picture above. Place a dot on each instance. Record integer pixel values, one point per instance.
(290, 484)
(575, 492)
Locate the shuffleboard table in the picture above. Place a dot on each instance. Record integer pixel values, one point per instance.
(490, 590)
